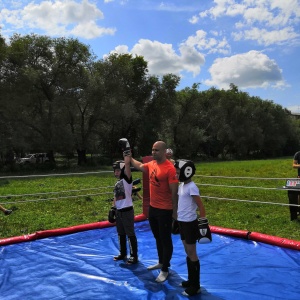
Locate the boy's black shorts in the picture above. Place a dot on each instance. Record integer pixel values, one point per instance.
(189, 231)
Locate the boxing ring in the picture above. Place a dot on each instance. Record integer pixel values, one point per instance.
(77, 263)
(80, 265)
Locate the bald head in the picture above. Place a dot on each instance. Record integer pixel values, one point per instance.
(161, 145)
(159, 151)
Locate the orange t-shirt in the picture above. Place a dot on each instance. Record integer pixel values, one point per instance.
(160, 176)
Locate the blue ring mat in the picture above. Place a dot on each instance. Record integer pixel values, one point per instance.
(81, 266)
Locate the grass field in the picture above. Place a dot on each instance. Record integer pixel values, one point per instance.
(49, 202)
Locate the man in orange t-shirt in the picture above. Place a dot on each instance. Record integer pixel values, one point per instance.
(163, 204)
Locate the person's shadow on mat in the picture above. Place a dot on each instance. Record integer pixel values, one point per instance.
(171, 287)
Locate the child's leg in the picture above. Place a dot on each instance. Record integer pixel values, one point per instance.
(193, 266)
(122, 246)
(121, 236)
(190, 250)
(133, 250)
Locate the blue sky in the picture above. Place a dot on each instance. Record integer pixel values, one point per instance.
(254, 44)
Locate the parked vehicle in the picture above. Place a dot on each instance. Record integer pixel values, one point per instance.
(35, 158)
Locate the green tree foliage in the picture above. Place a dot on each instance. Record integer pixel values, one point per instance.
(159, 109)
(55, 96)
(244, 126)
(124, 92)
(189, 122)
(39, 74)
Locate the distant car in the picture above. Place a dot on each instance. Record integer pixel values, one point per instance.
(34, 158)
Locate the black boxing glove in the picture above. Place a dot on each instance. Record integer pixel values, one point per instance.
(112, 215)
(205, 233)
(135, 190)
(136, 181)
(175, 227)
(125, 146)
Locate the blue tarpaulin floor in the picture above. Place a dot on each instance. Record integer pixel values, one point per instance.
(81, 266)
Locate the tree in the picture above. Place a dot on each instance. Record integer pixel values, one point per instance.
(38, 73)
(188, 122)
(159, 111)
(56, 97)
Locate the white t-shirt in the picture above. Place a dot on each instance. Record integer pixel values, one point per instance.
(186, 205)
(122, 193)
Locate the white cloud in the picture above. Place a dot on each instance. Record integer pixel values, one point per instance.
(193, 20)
(65, 17)
(294, 109)
(122, 49)
(248, 70)
(162, 58)
(11, 17)
(171, 7)
(235, 9)
(210, 45)
(256, 10)
(259, 19)
(191, 60)
(90, 30)
(264, 37)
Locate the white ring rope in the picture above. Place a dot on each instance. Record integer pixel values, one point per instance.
(65, 197)
(251, 201)
(255, 178)
(50, 175)
(237, 186)
(45, 193)
(99, 172)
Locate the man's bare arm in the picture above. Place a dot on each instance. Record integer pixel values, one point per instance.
(137, 164)
(174, 191)
(295, 164)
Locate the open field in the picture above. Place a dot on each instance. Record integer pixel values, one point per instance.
(48, 202)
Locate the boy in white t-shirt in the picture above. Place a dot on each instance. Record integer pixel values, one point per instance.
(124, 210)
(188, 202)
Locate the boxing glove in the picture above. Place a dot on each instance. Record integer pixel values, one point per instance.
(204, 230)
(112, 215)
(125, 146)
(175, 227)
(135, 190)
(136, 181)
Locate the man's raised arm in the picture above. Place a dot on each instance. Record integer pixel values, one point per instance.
(137, 164)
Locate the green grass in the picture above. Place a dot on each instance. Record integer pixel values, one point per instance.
(252, 216)
(65, 207)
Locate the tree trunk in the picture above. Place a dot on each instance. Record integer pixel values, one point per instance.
(81, 154)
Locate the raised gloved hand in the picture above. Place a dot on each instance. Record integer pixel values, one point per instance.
(125, 146)
(205, 233)
(112, 215)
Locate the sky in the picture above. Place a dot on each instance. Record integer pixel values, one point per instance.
(254, 44)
